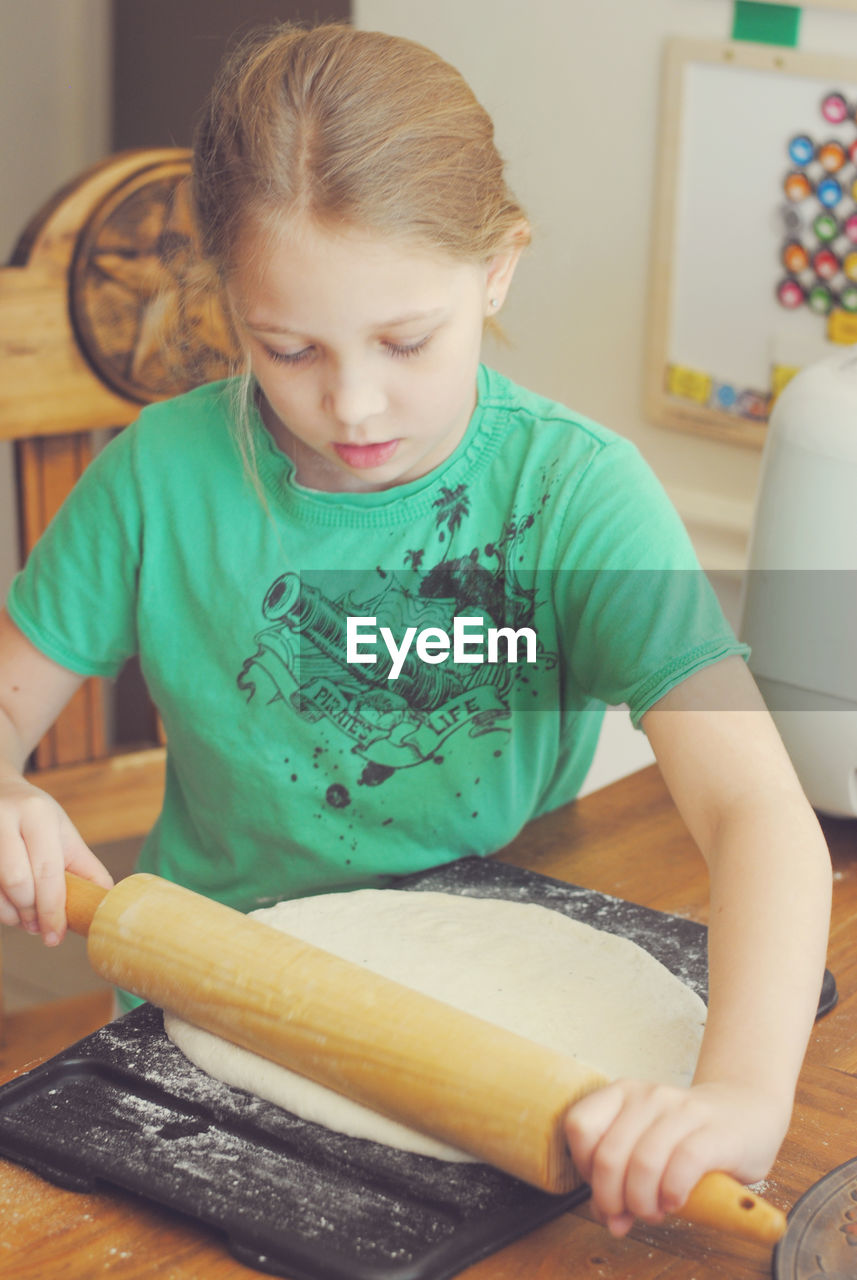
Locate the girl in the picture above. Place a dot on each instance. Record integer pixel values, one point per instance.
(291, 551)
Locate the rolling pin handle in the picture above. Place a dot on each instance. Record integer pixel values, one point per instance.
(720, 1201)
(83, 898)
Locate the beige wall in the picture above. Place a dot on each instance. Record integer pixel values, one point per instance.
(573, 88)
(54, 100)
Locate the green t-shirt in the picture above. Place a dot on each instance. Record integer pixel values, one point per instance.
(293, 770)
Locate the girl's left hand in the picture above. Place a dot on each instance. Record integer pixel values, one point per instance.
(643, 1147)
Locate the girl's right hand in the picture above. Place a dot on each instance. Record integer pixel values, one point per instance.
(642, 1147)
(38, 843)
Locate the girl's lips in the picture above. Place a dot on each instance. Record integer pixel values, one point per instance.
(366, 455)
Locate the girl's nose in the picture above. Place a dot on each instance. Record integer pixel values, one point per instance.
(354, 398)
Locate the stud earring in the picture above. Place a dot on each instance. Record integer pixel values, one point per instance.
(494, 303)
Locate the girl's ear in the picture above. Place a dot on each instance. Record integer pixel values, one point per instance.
(501, 268)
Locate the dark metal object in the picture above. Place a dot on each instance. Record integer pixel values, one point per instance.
(821, 1240)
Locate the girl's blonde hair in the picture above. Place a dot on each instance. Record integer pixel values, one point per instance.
(354, 127)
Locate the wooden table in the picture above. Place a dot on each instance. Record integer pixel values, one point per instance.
(626, 840)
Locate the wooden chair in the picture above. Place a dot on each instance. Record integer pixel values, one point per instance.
(82, 308)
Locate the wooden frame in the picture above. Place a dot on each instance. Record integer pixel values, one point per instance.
(663, 406)
(80, 352)
(51, 402)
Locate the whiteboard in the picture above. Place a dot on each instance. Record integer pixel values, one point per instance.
(746, 133)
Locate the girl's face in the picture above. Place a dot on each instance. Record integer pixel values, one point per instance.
(366, 351)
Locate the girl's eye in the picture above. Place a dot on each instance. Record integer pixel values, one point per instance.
(402, 351)
(292, 358)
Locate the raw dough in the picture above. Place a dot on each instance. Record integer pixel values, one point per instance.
(529, 969)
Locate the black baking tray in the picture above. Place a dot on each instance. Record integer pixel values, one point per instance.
(125, 1108)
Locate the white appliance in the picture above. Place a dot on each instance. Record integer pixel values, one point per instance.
(800, 593)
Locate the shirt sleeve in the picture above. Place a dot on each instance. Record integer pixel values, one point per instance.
(75, 598)
(639, 612)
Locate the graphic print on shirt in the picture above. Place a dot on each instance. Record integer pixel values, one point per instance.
(391, 724)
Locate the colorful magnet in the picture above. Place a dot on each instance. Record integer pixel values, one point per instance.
(849, 266)
(753, 404)
(826, 227)
(826, 264)
(850, 228)
(790, 219)
(795, 257)
(820, 300)
(801, 149)
(725, 396)
(797, 186)
(852, 152)
(842, 327)
(781, 376)
(834, 108)
(848, 298)
(688, 384)
(790, 294)
(829, 192)
(832, 156)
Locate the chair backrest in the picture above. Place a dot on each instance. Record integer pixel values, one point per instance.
(93, 280)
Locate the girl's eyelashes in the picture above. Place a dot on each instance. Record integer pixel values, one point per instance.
(292, 358)
(403, 350)
(399, 350)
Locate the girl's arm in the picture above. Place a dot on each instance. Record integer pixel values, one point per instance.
(37, 839)
(644, 1147)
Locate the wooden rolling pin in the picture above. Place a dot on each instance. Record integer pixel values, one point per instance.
(493, 1094)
